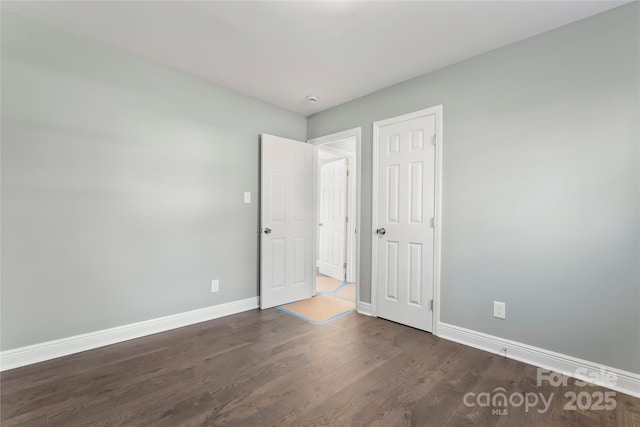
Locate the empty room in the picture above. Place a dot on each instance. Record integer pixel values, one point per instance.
(301, 213)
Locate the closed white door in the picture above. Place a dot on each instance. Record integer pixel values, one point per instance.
(404, 239)
(286, 215)
(333, 218)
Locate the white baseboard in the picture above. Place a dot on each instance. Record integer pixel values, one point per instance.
(23, 356)
(625, 382)
(364, 308)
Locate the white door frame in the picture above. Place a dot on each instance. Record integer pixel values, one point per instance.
(437, 110)
(327, 139)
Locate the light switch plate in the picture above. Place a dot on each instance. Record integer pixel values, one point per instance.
(247, 197)
(499, 310)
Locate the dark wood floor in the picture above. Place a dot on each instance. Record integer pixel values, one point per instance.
(271, 369)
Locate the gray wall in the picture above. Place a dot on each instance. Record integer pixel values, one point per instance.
(540, 188)
(122, 186)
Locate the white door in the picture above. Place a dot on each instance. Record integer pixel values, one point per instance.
(333, 218)
(286, 215)
(404, 214)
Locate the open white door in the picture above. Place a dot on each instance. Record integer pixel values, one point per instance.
(286, 215)
(333, 216)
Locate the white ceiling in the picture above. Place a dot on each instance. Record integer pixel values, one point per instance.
(283, 51)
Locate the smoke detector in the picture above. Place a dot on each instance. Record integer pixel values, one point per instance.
(312, 99)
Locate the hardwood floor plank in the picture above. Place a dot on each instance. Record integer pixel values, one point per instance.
(406, 393)
(27, 421)
(79, 363)
(341, 406)
(267, 368)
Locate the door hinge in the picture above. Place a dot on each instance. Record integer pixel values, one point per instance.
(431, 305)
(347, 219)
(345, 265)
(347, 172)
(433, 222)
(433, 139)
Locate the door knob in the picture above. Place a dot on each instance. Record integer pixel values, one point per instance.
(267, 230)
(381, 231)
(320, 224)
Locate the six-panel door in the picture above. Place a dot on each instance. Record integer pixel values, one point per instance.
(406, 206)
(286, 213)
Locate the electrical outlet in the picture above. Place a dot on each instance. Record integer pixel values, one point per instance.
(215, 285)
(247, 197)
(499, 310)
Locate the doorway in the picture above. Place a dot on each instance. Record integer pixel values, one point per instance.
(336, 207)
(289, 204)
